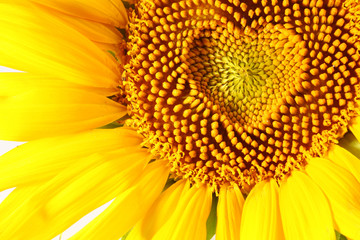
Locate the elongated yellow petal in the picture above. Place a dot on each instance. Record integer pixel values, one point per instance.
(261, 214)
(129, 207)
(15, 217)
(345, 159)
(19, 82)
(16, 198)
(28, 42)
(159, 212)
(73, 193)
(95, 31)
(105, 11)
(305, 211)
(41, 160)
(116, 49)
(49, 112)
(229, 211)
(342, 191)
(102, 183)
(189, 218)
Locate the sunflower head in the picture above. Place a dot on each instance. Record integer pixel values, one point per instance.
(235, 92)
(214, 115)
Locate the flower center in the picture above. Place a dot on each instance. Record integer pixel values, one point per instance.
(245, 78)
(237, 92)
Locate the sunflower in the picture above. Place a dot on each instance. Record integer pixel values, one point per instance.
(192, 117)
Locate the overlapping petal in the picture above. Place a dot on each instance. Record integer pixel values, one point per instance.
(305, 212)
(160, 212)
(261, 218)
(110, 12)
(41, 113)
(85, 185)
(129, 207)
(34, 41)
(105, 35)
(95, 31)
(229, 211)
(345, 159)
(189, 218)
(342, 191)
(40, 160)
(14, 83)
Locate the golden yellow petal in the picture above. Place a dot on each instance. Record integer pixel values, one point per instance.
(188, 220)
(159, 212)
(343, 194)
(229, 211)
(105, 11)
(95, 31)
(17, 197)
(116, 49)
(28, 42)
(120, 169)
(14, 83)
(261, 214)
(41, 113)
(40, 160)
(73, 193)
(345, 159)
(129, 207)
(305, 212)
(15, 218)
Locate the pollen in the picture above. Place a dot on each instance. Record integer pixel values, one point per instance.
(237, 92)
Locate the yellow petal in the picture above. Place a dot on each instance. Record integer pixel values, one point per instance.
(159, 212)
(41, 113)
(345, 159)
(305, 211)
(24, 204)
(116, 49)
(95, 31)
(29, 43)
(129, 207)
(261, 214)
(229, 211)
(19, 82)
(16, 198)
(343, 193)
(42, 159)
(188, 221)
(105, 11)
(120, 168)
(72, 194)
